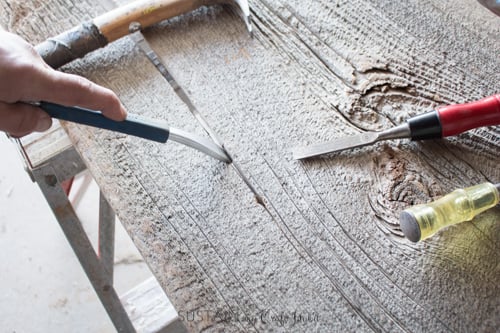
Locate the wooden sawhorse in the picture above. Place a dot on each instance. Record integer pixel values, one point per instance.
(50, 160)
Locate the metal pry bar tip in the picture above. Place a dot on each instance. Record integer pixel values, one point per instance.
(199, 143)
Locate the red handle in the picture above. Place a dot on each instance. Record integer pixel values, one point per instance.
(458, 118)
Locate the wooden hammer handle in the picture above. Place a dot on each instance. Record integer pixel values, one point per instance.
(108, 27)
(115, 24)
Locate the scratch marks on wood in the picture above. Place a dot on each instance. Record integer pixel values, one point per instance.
(35, 20)
(399, 183)
(189, 215)
(327, 241)
(16, 13)
(336, 250)
(308, 49)
(302, 50)
(248, 182)
(181, 93)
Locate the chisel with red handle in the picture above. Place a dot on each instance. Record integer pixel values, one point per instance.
(444, 121)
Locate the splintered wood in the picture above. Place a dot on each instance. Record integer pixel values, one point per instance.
(325, 253)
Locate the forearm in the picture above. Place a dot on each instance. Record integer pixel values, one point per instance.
(25, 77)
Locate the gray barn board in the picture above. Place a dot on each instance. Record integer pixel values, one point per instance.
(324, 253)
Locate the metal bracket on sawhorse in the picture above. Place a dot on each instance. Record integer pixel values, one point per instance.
(50, 160)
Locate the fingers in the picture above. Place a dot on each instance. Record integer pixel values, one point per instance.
(72, 90)
(20, 119)
(27, 78)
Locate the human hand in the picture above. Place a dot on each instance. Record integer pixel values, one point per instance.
(493, 5)
(25, 77)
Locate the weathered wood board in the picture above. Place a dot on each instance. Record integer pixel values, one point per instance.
(325, 252)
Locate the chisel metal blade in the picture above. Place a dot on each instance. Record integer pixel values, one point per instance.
(359, 140)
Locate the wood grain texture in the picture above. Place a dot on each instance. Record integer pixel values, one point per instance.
(325, 253)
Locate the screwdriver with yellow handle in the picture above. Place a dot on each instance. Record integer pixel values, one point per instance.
(445, 121)
(422, 221)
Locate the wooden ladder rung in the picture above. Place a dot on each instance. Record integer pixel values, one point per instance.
(150, 310)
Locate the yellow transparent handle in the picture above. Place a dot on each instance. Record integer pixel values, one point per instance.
(422, 221)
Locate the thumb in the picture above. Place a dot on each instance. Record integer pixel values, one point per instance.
(20, 119)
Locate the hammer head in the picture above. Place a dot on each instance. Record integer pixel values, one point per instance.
(241, 7)
(115, 24)
(244, 11)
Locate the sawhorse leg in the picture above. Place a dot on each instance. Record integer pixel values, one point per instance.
(99, 268)
(50, 172)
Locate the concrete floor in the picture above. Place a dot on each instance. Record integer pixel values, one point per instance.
(43, 287)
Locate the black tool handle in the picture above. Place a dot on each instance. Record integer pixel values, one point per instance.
(425, 126)
(133, 125)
